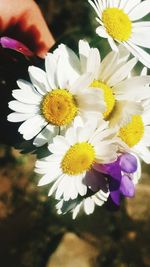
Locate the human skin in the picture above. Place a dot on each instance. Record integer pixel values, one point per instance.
(23, 20)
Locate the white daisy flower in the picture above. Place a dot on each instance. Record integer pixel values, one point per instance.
(136, 133)
(111, 75)
(54, 100)
(87, 205)
(74, 155)
(120, 22)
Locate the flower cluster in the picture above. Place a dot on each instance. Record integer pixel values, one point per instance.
(92, 114)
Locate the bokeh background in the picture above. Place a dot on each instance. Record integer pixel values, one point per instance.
(31, 233)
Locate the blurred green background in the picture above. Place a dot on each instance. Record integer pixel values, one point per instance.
(31, 233)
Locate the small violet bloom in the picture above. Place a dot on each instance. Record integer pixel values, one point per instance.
(120, 176)
(13, 44)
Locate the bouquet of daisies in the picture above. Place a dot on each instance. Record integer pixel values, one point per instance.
(92, 114)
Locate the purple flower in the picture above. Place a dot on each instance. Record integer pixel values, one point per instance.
(13, 44)
(128, 163)
(120, 176)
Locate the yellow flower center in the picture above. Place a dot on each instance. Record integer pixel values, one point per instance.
(132, 132)
(117, 24)
(59, 107)
(108, 96)
(79, 158)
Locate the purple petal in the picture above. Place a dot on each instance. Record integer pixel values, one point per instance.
(13, 44)
(127, 187)
(128, 163)
(113, 169)
(95, 181)
(115, 196)
(114, 184)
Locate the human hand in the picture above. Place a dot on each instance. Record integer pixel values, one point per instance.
(23, 20)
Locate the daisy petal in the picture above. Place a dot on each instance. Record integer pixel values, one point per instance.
(129, 5)
(122, 73)
(140, 36)
(18, 117)
(46, 135)
(51, 65)
(23, 108)
(27, 96)
(140, 11)
(89, 206)
(101, 32)
(93, 62)
(39, 79)
(112, 44)
(82, 83)
(27, 129)
(84, 50)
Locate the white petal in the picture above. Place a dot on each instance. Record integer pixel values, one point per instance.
(78, 122)
(54, 172)
(84, 134)
(39, 79)
(112, 44)
(101, 31)
(133, 89)
(89, 206)
(107, 64)
(66, 74)
(146, 139)
(62, 73)
(81, 188)
(84, 50)
(144, 153)
(96, 7)
(140, 11)
(32, 127)
(27, 96)
(71, 136)
(24, 85)
(76, 211)
(123, 112)
(72, 188)
(59, 145)
(98, 202)
(123, 54)
(129, 5)
(93, 102)
(55, 185)
(140, 24)
(139, 53)
(81, 83)
(104, 3)
(93, 62)
(46, 135)
(51, 66)
(18, 117)
(144, 71)
(140, 36)
(23, 108)
(113, 3)
(122, 73)
(67, 188)
(71, 59)
(102, 195)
